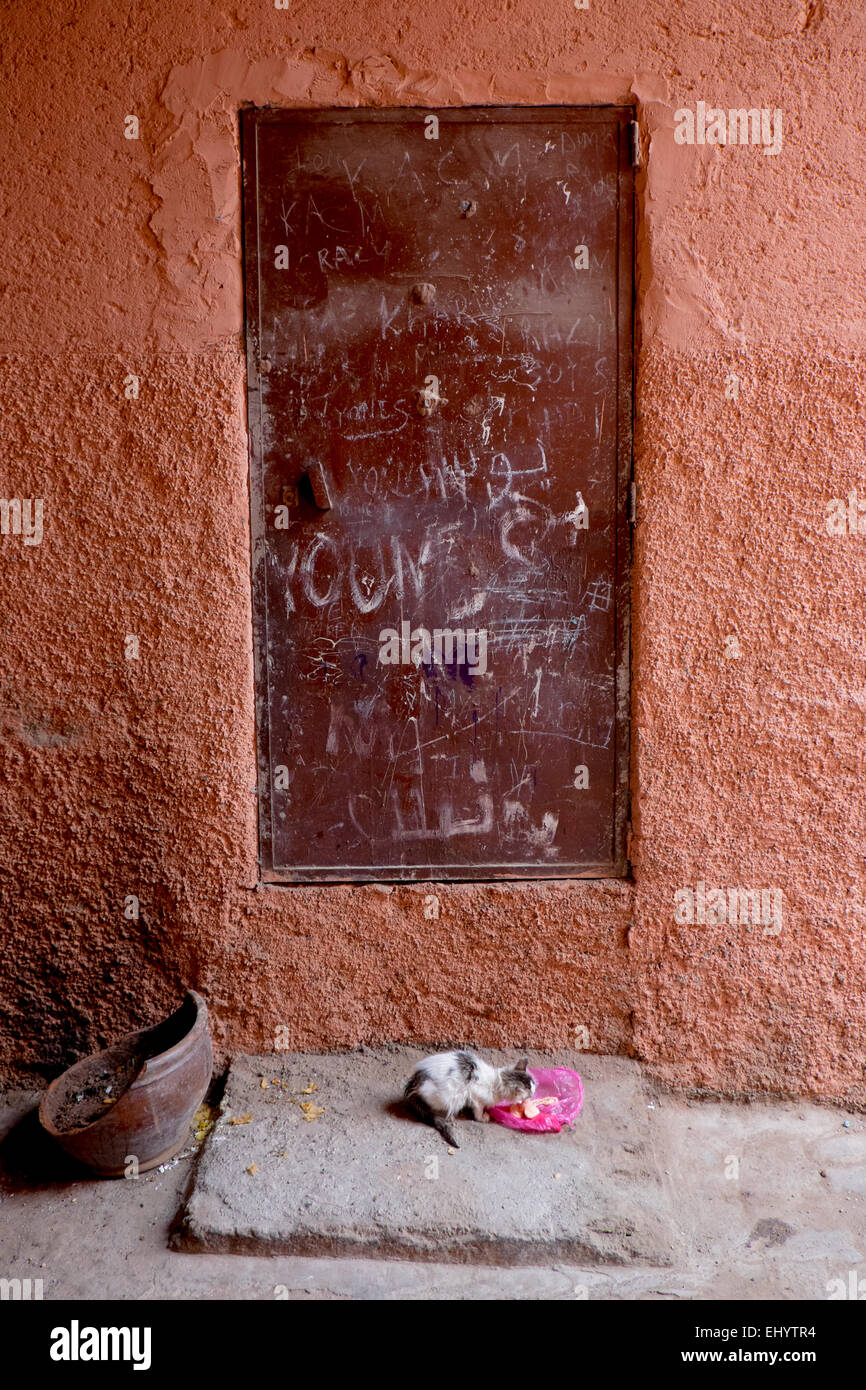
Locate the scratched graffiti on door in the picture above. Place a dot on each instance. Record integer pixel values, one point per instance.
(439, 374)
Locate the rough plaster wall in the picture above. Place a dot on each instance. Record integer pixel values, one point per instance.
(137, 777)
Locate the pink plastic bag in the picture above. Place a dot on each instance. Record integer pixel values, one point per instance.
(549, 1081)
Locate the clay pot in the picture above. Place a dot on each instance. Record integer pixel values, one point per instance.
(160, 1075)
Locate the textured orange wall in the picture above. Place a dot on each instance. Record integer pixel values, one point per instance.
(137, 776)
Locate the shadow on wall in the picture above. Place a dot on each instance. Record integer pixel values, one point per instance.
(130, 967)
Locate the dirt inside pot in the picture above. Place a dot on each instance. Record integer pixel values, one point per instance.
(95, 1084)
(95, 1090)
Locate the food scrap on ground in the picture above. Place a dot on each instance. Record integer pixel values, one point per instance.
(203, 1121)
(241, 1119)
(311, 1111)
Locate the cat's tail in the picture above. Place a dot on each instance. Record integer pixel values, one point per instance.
(419, 1106)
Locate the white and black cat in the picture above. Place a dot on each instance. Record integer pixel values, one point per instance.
(448, 1082)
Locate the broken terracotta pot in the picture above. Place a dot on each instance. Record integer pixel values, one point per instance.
(136, 1099)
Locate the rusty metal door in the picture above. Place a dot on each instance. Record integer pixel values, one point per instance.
(439, 320)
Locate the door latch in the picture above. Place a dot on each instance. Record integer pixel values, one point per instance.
(319, 485)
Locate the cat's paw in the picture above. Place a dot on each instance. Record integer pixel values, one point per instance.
(483, 1118)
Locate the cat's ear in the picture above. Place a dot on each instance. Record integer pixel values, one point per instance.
(523, 1064)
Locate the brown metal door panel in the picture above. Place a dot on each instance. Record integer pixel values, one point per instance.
(439, 370)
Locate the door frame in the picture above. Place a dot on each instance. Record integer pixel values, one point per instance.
(251, 117)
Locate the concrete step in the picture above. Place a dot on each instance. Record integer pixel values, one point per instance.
(361, 1179)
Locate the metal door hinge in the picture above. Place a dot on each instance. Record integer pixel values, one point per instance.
(634, 139)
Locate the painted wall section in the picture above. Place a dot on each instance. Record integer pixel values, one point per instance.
(133, 776)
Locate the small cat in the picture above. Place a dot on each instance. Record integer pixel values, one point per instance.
(447, 1082)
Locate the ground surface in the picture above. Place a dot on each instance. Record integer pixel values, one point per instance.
(658, 1197)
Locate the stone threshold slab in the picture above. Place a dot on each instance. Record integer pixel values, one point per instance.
(361, 1179)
